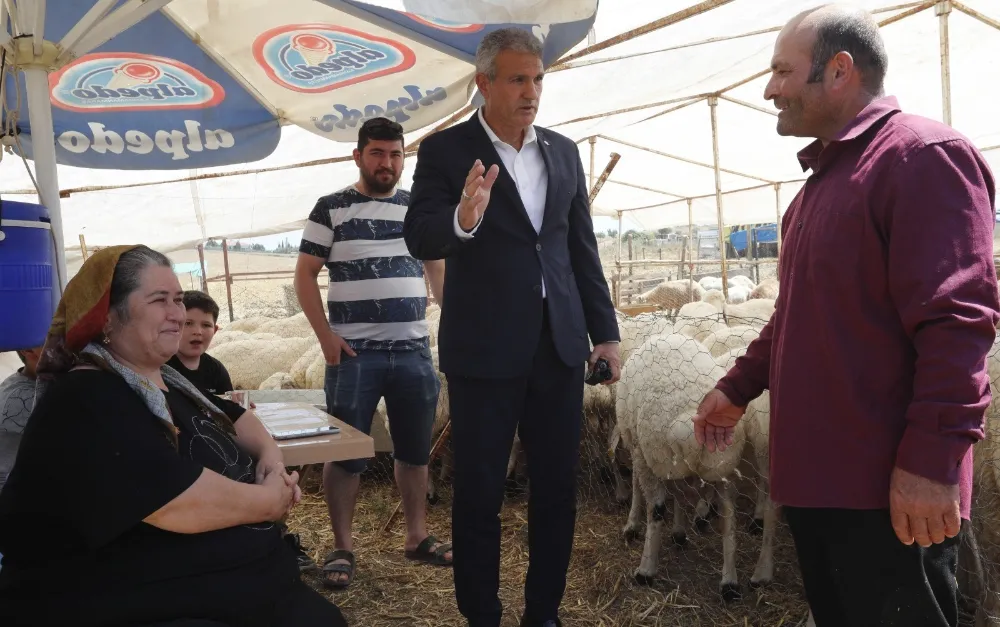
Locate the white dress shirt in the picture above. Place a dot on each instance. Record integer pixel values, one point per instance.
(527, 168)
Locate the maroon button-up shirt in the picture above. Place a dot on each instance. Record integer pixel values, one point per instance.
(876, 353)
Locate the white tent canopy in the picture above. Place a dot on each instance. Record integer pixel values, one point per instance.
(645, 98)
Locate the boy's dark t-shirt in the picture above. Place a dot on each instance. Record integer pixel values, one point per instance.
(210, 376)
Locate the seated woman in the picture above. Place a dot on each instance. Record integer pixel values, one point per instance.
(135, 499)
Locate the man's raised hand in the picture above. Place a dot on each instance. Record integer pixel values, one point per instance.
(476, 194)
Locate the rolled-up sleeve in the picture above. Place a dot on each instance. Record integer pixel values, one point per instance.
(943, 283)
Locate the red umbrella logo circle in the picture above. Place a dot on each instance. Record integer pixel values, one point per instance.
(139, 72)
(314, 48)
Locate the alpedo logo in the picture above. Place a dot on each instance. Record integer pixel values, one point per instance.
(123, 81)
(445, 25)
(316, 58)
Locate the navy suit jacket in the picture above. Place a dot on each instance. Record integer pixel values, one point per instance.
(491, 318)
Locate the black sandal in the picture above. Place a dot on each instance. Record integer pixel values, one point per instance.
(346, 569)
(423, 552)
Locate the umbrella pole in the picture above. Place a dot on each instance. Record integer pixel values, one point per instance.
(43, 145)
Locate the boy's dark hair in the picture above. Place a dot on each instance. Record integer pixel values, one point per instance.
(380, 129)
(195, 299)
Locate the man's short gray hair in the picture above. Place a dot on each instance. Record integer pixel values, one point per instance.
(494, 43)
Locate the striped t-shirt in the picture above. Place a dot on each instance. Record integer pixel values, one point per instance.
(377, 298)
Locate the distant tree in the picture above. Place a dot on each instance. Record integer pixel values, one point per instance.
(664, 232)
(612, 232)
(258, 248)
(212, 244)
(237, 246)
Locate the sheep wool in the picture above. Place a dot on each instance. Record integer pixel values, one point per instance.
(678, 374)
(754, 313)
(723, 340)
(278, 381)
(247, 325)
(294, 326)
(673, 294)
(768, 288)
(251, 362)
(301, 366)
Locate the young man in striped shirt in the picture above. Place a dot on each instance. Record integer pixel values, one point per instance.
(376, 341)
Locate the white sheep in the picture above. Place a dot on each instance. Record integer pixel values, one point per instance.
(715, 298)
(768, 288)
(301, 366)
(663, 382)
(738, 294)
(979, 578)
(754, 313)
(725, 339)
(294, 326)
(247, 325)
(709, 283)
(226, 336)
(250, 362)
(738, 280)
(695, 318)
(278, 381)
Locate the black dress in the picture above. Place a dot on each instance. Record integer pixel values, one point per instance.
(93, 463)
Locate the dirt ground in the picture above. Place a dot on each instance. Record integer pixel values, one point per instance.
(601, 591)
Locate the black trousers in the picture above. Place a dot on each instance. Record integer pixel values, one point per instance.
(545, 409)
(857, 573)
(300, 606)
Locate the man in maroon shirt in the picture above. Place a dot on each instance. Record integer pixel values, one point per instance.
(875, 356)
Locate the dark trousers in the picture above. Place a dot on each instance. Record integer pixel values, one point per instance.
(301, 606)
(857, 573)
(545, 409)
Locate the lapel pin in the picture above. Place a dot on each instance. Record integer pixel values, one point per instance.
(545, 141)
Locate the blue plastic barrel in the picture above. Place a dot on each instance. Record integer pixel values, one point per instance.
(25, 275)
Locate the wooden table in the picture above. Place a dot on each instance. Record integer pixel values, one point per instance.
(349, 443)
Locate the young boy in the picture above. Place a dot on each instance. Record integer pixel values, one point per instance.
(205, 371)
(209, 374)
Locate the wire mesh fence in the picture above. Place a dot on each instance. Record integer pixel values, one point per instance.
(728, 558)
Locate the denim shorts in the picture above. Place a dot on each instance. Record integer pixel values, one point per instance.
(409, 383)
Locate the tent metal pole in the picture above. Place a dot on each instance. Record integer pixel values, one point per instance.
(43, 145)
(942, 9)
(713, 103)
(690, 249)
(985, 19)
(777, 213)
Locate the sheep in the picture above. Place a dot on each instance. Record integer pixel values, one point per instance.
(656, 401)
(247, 325)
(222, 337)
(294, 326)
(768, 288)
(278, 381)
(301, 366)
(980, 580)
(695, 318)
(710, 283)
(673, 294)
(738, 294)
(250, 362)
(316, 373)
(754, 313)
(722, 341)
(433, 317)
(738, 280)
(715, 298)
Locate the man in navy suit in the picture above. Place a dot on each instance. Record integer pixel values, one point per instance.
(506, 204)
